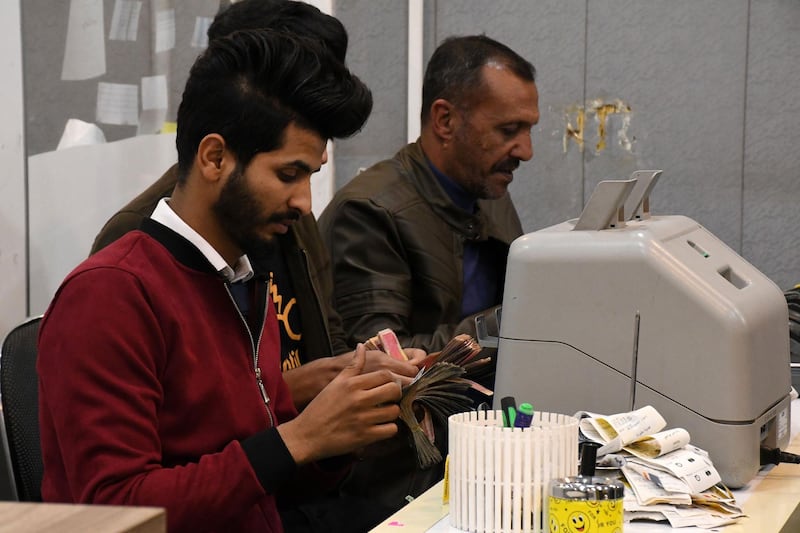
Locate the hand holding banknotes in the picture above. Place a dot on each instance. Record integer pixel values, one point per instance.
(354, 410)
(404, 371)
(438, 391)
(307, 380)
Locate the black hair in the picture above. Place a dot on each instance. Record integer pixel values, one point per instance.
(249, 86)
(298, 18)
(454, 71)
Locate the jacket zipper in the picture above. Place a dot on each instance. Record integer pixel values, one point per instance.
(255, 346)
(264, 395)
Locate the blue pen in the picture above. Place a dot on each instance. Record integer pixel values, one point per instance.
(524, 416)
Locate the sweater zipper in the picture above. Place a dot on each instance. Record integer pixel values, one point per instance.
(264, 395)
(255, 346)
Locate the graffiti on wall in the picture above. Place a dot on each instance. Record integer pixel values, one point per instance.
(607, 120)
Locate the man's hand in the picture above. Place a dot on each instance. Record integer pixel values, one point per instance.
(355, 409)
(308, 380)
(415, 356)
(404, 371)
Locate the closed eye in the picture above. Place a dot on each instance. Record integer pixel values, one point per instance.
(288, 176)
(294, 171)
(510, 130)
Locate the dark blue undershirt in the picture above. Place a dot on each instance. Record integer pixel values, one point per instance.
(480, 280)
(241, 295)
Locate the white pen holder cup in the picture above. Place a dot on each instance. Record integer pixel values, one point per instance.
(499, 477)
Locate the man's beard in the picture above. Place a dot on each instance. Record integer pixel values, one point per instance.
(239, 214)
(473, 179)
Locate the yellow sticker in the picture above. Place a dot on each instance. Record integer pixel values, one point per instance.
(584, 516)
(446, 493)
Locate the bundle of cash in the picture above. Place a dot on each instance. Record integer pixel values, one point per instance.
(435, 394)
(438, 391)
(386, 341)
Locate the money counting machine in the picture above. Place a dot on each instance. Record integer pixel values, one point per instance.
(619, 309)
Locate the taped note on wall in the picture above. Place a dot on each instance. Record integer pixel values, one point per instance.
(200, 35)
(85, 49)
(154, 92)
(125, 20)
(165, 30)
(118, 103)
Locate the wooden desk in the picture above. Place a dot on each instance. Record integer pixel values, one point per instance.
(63, 518)
(770, 502)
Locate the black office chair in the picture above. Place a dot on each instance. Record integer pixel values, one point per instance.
(19, 399)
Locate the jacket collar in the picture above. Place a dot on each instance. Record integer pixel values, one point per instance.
(184, 251)
(473, 226)
(456, 192)
(241, 271)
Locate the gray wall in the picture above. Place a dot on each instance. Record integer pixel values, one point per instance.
(713, 88)
(51, 101)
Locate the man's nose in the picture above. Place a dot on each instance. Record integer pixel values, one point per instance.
(523, 147)
(301, 197)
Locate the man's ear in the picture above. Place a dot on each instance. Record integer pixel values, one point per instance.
(443, 117)
(213, 158)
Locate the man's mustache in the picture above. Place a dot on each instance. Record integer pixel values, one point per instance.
(507, 165)
(292, 216)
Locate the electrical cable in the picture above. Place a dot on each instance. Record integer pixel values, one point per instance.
(774, 456)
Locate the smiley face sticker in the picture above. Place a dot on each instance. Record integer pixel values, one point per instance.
(579, 516)
(578, 522)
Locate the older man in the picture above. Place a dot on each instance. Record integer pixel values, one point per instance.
(419, 242)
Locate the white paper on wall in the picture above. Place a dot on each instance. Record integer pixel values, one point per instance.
(118, 103)
(85, 49)
(125, 20)
(326, 6)
(200, 35)
(322, 184)
(165, 30)
(154, 92)
(80, 133)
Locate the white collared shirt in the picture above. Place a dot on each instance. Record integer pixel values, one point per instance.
(242, 270)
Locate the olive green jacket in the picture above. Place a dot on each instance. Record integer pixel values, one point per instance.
(397, 242)
(307, 261)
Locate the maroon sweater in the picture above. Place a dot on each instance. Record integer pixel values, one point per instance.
(148, 393)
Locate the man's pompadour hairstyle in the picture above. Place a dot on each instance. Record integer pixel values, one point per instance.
(250, 85)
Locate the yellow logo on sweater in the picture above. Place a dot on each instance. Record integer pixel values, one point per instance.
(282, 311)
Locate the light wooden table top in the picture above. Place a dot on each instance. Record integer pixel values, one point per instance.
(64, 518)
